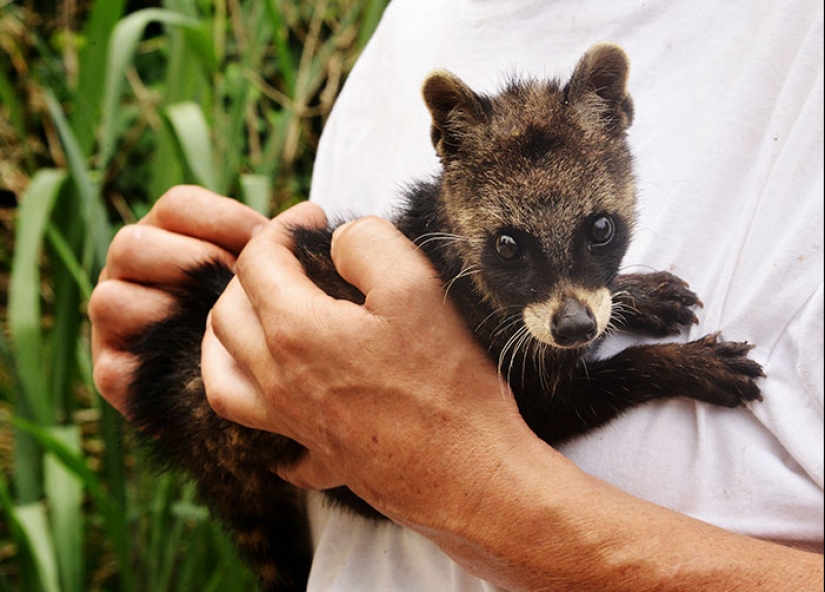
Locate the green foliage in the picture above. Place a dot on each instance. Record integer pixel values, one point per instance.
(104, 105)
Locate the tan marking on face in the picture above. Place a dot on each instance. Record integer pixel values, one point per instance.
(538, 317)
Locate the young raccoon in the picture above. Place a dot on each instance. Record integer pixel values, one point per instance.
(527, 226)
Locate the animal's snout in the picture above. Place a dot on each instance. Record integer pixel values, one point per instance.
(570, 320)
(573, 324)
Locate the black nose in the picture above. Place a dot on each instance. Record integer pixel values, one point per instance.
(573, 324)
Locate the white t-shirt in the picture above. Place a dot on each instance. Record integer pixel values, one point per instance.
(728, 139)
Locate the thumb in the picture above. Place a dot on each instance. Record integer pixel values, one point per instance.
(370, 252)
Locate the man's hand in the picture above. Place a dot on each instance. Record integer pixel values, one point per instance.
(187, 226)
(360, 386)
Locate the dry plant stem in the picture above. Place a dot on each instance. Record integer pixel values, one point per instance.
(302, 92)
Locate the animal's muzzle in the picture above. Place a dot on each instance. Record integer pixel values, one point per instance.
(571, 319)
(573, 324)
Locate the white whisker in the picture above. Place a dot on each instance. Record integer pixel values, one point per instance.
(446, 237)
(465, 272)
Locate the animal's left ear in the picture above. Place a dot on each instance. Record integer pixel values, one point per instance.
(601, 74)
(455, 109)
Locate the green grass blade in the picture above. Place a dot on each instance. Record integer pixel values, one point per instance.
(114, 520)
(256, 191)
(229, 135)
(195, 561)
(184, 80)
(64, 493)
(122, 45)
(192, 134)
(283, 53)
(92, 211)
(230, 571)
(67, 257)
(65, 237)
(104, 15)
(164, 537)
(24, 311)
(31, 520)
(236, 130)
(111, 428)
(76, 465)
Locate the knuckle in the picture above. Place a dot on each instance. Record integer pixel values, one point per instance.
(126, 241)
(98, 302)
(255, 255)
(219, 396)
(104, 301)
(171, 202)
(102, 375)
(179, 201)
(242, 263)
(217, 400)
(111, 375)
(220, 318)
(295, 477)
(279, 342)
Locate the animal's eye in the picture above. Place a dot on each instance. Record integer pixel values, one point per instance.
(507, 247)
(601, 231)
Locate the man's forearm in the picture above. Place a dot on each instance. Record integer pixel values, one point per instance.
(562, 529)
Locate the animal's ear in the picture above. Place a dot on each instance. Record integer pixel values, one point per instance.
(601, 74)
(454, 108)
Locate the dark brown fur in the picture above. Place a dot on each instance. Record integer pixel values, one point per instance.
(527, 226)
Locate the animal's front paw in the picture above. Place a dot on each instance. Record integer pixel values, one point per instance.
(729, 376)
(656, 304)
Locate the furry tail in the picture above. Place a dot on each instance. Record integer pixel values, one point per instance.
(230, 463)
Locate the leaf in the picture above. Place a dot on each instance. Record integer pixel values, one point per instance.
(114, 520)
(92, 211)
(31, 520)
(103, 16)
(255, 191)
(24, 315)
(64, 492)
(122, 46)
(283, 54)
(192, 133)
(67, 257)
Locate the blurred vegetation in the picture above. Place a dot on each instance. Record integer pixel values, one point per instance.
(105, 104)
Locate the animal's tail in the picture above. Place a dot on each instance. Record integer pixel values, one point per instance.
(230, 463)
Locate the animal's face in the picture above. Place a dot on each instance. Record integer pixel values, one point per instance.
(538, 182)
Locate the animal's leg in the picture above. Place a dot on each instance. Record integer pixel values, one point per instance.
(657, 303)
(717, 372)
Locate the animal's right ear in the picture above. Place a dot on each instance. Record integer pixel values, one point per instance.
(455, 109)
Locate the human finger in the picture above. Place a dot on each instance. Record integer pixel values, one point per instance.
(150, 255)
(119, 311)
(110, 368)
(199, 213)
(235, 360)
(268, 270)
(371, 252)
(310, 473)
